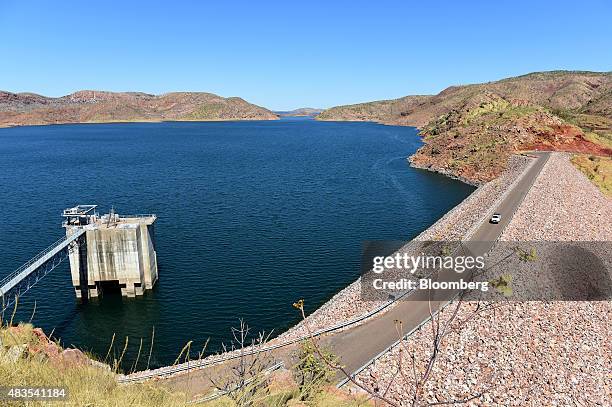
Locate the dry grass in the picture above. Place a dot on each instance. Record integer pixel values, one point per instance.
(91, 385)
(597, 169)
(87, 385)
(597, 129)
(602, 138)
(290, 398)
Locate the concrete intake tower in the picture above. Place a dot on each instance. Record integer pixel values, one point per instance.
(114, 250)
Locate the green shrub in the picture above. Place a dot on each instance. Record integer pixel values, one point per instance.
(312, 373)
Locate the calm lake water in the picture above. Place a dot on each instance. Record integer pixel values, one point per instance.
(252, 216)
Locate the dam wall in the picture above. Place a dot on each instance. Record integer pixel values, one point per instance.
(115, 251)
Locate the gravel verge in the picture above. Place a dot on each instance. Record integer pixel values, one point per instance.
(537, 354)
(562, 205)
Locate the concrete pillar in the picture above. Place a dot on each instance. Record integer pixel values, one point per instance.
(84, 291)
(129, 290)
(148, 256)
(94, 292)
(79, 292)
(77, 255)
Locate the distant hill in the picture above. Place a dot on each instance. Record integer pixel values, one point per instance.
(90, 106)
(470, 130)
(304, 111)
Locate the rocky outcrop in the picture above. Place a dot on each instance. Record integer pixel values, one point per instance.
(474, 142)
(24, 341)
(87, 106)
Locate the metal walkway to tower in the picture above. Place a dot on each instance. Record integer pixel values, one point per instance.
(25, 277)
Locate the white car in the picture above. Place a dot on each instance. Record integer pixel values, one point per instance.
(495, 218)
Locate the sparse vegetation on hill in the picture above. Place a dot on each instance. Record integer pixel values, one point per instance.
(597, 169)
(303, 111)
(95, 107)
(471, 130)
(383, 111)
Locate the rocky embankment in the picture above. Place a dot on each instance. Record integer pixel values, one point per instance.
(543, 353)
(523, 353)
(18, 109)
(470, 131)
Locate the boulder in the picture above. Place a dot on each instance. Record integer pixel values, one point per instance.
(75, 357)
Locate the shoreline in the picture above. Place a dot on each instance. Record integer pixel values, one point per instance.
(445, 173)
(429, 168)
(12, 126)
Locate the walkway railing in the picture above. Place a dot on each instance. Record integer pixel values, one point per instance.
(12, 281)
(139, 215)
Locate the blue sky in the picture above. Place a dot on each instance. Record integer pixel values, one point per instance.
(290, 54)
